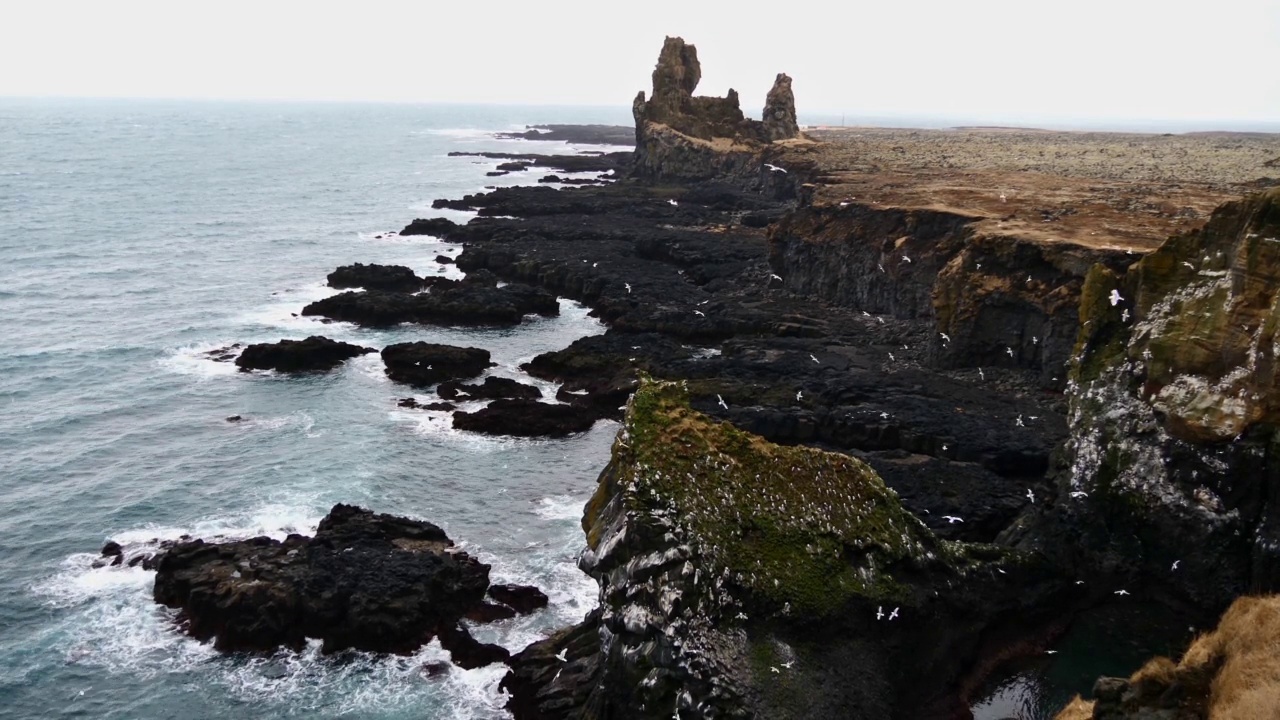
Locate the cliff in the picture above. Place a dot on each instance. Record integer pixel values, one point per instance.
(1231, 673)
(683, 136)
(1172, 412)
(739, 578)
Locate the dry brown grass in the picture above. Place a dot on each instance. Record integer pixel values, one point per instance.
(1233, 672)
(1077, 709)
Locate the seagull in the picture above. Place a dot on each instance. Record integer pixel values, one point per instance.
(1019, 422)
(774, 669)
(672, 202)
(945, 337)
(884, 416)
(880, 266)
(1184, 262)
(952, 519)
(906, 259)
(866, 314)
(979, 266)
(892, 358)
(811, 357)
(1124, 315)
(944, 448)
(628, 285)
(699, 312)
(879, 319)
(1122, 592)
(741, 616)
(775, 168)
(1175, 564)
(981, 374)
(788, 664)
(1050, 652)
(776, 276)
(1001, 571)
(799, 395)
(1035, 340)
(1115, 297)
(1009, 351)
(880, 613)
(894, 615)
(723, 404)
(1079, 494)
(563, 656)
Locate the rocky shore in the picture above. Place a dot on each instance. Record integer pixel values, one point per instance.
(896, 408)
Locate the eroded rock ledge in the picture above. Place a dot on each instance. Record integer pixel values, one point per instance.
(744, 579)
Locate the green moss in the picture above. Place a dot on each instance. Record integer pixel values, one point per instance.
(1103, 337)
(796, 526)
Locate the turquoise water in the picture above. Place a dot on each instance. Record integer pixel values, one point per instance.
(136, 235)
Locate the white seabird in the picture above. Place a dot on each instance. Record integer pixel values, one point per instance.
(723, 404)
(1115, 297)
(1030, 495)
(775, 168)
(952, 519)
(563, 656)
(628, 286)
(894, 615)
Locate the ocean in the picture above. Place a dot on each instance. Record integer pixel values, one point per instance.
(137, 235)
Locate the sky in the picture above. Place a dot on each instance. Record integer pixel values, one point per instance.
(992, 60)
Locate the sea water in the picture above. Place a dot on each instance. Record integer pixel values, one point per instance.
(137, 235)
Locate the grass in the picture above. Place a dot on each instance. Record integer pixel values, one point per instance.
(798, 528)
(1232, 673)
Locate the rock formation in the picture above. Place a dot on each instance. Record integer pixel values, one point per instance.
(683, 136)
(744, 579)
(315, 354)
(392, 278)
(364, 581)
(422, 364)
(474, 300)
(1173, 409)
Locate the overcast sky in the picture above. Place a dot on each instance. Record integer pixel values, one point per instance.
(992, 59)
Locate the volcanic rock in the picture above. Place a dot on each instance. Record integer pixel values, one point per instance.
(422, 364)
(779, 116)
(315, 354)
(472, 301)
(467, 652)
(491, 389)
(526, 418)
(364, 581)
(524, 599)
(392, 278)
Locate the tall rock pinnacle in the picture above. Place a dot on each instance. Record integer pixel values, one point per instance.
(780, 111)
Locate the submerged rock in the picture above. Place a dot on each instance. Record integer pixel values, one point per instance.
(365, 581)
(315, 354)
(422, 364)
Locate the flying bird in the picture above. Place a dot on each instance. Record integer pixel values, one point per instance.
(1124, 315)
(880, 613)
(776, 276)
(788, 664)
(1009, 351)
(945, 337)
(672, 202)
(1184, 262)
(563, 656)
(699, 312)
(952, 519)
(1079, 494)
(1122, 592)
(775, 168)
(723, 404)
(628, 285)
(799, 395)
(815, 359)
(884, 416)
(1115, 297)
(906, 259)
(879, 265)
(1030, 495)
(741, 616)
(894, 615)
(1175, 564)
(981, 375)
(892, 358)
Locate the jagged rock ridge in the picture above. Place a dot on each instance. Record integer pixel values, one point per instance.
(680, 135)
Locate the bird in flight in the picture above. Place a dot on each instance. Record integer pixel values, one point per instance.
(788, 664)
(776, 276)
(880, 613)
(723, 404)
(564, 655)
(894, 615)
(1079, 494)
(699, 312)
(906, 259)
(1115, 297)
(1030, 495)
(628, 287)
(1122, 592)
(799, 395)
(672, 202)
(1009, 351)
(1175, 564)
(952, 519)
(814, 358)
(945, 337)
(775, 168)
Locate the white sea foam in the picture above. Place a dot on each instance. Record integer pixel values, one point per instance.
(284, 309)
(195, 360)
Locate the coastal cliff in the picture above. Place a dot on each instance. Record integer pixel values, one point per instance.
(1168, 477)
(739, 578)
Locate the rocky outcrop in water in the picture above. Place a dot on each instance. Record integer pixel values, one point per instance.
(314, 354)
(744, 579)
(365, 581)
(474, 300)
(1168, 479)
(492, 388)
(392, 278)
(423, 364)
(683, 136)
(526, 418)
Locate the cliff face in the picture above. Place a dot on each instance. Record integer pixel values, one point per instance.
(995, 301)
(744, 579)
(682, 136)
(1172, 415)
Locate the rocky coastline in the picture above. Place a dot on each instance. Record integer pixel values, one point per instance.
(870, 450)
